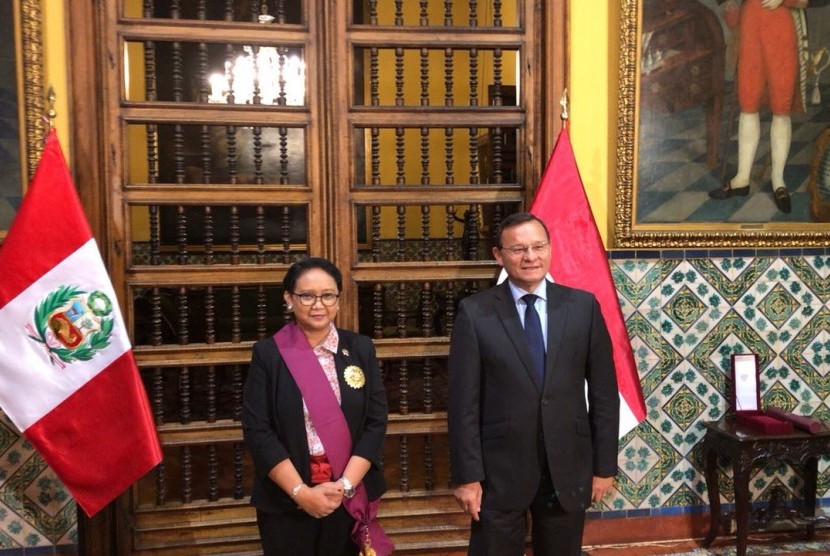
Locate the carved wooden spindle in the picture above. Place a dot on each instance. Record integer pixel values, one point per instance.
(429, 480)
(375, 233)
(449, 64)
(495, 224)
(473, 143)
(228, 14)
(425, 232)
(403, 387)
(208, 228)
(473, 13)
(373, 12)
(425, 178)
(236, 320)
(424, 8)
(424, 77)
(181, 234)
(281, 98)
(234, 234)
(205, 150)
(260, 234)
(182, 316)
(213, 473)
(155, 235)
(398, 12)
(155, 317)
(161, 483)
(279, 9)
(447, 13)
(158, 395)
(429, 394)
(399, 82)
(497, 21)
(426, 306)
(174, 9)
(285, 233)
(375, 156)
(211, 394)
(185, 413)
(257, 140)
(238, 487)
(232, 156)
(400, 244)
(400, 310)
(283, 134)
(374, 76)
(449, 306)
(400, 156)
(148, 8)
(210, 315)
(236, 392)
(474, 77)
(261, 312)
(472, 233)
(497, 138)
(449, 149)
(230, 57)
(450, 256)
(403, 455)
(497, 77)
(377, 310)
(187, 475)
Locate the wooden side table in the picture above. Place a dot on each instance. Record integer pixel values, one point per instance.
(748, 449)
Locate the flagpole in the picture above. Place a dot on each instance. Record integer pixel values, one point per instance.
(563, 102)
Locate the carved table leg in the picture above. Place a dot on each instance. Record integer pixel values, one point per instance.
(714, 495)
(741, 482)
(810, 477)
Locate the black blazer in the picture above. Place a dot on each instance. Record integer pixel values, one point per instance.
(498, 412)
(273, 425)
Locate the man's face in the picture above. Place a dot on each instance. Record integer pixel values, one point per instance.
(524, 254)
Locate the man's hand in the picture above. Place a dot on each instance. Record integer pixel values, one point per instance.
(468, 497)
(600, 487)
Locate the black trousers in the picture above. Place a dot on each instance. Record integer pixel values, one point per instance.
(299, 534)
(554, 531)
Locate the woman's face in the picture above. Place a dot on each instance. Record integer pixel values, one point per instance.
(315, 317)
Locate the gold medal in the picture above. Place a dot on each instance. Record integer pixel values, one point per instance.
(354, 376)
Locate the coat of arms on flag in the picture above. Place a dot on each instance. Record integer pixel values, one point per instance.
(72, 324)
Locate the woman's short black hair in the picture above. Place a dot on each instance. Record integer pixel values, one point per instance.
(305, 264)
(514, 220)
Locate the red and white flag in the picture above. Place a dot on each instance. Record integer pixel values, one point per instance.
(68, 379)
(579, 260)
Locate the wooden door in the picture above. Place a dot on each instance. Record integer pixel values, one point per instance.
(217, 142)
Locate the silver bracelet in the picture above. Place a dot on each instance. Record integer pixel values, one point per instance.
(296, 490)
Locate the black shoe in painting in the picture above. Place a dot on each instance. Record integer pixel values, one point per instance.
(726, 192)
(782, 199)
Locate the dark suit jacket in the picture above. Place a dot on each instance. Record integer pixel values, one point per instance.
(273, 425)
(498, 413)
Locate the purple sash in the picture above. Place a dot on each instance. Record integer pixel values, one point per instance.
(331, 426)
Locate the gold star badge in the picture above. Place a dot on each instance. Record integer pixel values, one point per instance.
(354, 376)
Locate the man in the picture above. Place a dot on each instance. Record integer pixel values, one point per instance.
(521, 435)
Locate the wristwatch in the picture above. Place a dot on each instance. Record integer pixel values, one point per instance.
(348, 487)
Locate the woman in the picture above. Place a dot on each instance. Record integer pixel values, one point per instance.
(314, 419)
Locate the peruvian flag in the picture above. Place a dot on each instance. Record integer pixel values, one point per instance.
(578, 259)
(68, 379)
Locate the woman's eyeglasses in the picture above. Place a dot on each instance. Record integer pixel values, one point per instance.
(308, 299)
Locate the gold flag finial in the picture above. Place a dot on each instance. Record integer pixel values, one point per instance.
(564, 103)
(50, 111)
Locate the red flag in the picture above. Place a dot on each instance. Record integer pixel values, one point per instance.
(579, 260)
(68, 379)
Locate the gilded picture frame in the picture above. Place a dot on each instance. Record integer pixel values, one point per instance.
(21, 102)
(672, 151)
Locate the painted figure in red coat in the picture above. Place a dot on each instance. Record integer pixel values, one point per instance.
(767, 74)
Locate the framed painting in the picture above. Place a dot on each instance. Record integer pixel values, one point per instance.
(711, 150)
(21, 101)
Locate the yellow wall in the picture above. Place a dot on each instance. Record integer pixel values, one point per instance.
(593, 99)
